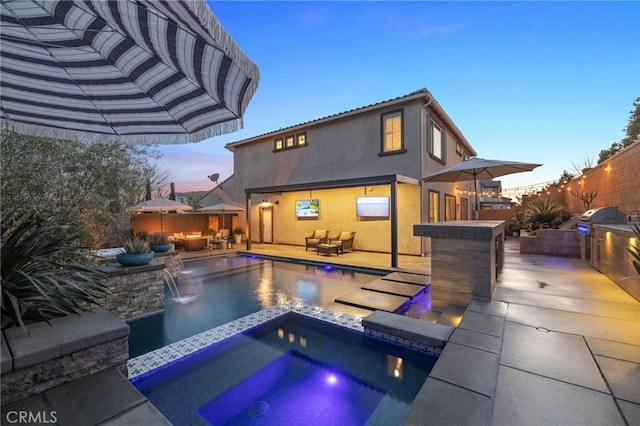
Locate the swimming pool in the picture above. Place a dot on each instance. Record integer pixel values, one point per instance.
(291, 369)
(227, 288)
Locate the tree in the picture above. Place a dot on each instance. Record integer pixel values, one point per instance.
(632, 133)
(85, 186)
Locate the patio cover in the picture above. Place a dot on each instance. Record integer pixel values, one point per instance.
(144, 71)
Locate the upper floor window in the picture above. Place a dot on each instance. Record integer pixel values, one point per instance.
(290, 141)
(437, 145)
(392, 133)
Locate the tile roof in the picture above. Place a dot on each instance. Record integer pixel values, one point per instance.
(415, 94)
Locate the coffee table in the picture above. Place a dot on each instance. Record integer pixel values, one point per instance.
(326, 249)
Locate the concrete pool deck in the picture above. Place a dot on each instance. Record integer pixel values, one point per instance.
(558, 344)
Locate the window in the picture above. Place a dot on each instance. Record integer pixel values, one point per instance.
(392, 133)
(458, 149)
(437, 142)
(434, 206)
(290, 141)
(449, 207)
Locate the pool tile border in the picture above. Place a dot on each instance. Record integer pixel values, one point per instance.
(165, 356)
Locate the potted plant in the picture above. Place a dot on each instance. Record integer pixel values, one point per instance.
(135, 253)
(237, 234)
(158, 242)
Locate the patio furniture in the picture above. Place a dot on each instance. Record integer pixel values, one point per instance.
(326, 249)
(221, 239)
(319, 236)
(344, 241)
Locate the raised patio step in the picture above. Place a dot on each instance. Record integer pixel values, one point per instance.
(394, 287)
(374, 300)
(408, 278)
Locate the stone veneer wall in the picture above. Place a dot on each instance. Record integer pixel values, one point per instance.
(66, 349)
(138, 290)
(551, 242)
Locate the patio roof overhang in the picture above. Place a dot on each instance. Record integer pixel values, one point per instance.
(392, 180)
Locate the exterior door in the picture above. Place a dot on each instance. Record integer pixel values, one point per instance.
(266, 225)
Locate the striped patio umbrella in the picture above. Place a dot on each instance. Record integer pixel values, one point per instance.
(143, 71)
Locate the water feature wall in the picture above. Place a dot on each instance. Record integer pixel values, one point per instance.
(138, 290)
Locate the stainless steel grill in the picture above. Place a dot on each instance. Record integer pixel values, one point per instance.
(600, 215)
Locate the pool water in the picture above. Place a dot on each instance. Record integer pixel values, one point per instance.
(222, 289)
(291, 370)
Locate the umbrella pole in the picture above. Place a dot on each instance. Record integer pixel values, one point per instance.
(475, 188)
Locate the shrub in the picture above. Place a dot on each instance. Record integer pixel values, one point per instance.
(45, 274)
(541, 212)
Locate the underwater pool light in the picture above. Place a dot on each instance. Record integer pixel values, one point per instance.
(328, 267)
(332, 379)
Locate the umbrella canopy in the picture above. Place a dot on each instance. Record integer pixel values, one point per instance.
(478, 168)
(159, 205)
(145, 71)
(221, 208)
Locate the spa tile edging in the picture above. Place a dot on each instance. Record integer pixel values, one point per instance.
(163, 357)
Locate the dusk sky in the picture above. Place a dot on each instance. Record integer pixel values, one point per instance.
(541, 82)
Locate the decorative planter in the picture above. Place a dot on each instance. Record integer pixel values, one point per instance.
(134, 259)
(160, 248)
(237, 238)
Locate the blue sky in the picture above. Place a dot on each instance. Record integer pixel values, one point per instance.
(542, 82)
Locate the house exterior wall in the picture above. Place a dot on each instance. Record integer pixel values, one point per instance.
(338, 213)
(347, 147)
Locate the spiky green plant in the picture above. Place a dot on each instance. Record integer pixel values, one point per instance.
(635, 250)
(136, 246)
(158, 239)
(44, 273)
(543, 211)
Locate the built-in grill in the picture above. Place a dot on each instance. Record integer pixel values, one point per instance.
(601, 215)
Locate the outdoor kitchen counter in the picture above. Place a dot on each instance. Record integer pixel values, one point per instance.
(466, 257)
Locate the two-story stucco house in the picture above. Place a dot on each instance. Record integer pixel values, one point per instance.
(379, 151)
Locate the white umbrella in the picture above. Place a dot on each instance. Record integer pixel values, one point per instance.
(222, 209)
(159, 205)
(142, 71)
(478, 168)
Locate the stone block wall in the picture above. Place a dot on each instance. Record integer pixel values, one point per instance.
(66, 349)
(134, 291)
(551, 242)
(617, 181)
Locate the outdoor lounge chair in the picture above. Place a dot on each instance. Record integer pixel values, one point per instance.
(344, 241)
(319, 236)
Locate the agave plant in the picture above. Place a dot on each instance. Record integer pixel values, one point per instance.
(635, 250)
(158, 239)
(136, 246)
(541, 211)
(44, 274)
